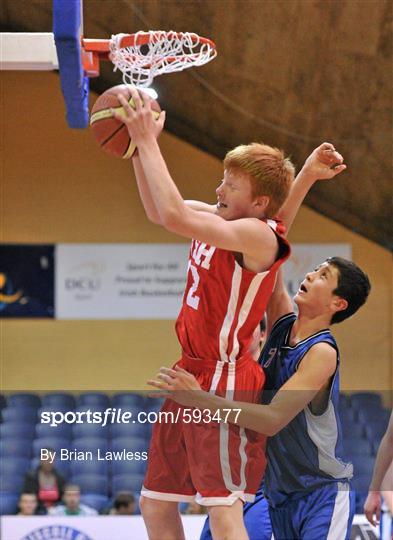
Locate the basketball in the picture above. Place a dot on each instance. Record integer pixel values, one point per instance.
(111, 134)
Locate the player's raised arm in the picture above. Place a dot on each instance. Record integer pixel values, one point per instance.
(279, 304)
(236, 197)
(324, 163)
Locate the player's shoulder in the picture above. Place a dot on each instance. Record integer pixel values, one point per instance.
(283, 322)
(321, 355)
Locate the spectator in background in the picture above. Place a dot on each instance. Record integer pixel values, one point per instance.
(27, 504)
(72, 504)
(46, 483)
(124, 504)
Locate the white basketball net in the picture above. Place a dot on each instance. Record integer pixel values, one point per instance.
(163, 52)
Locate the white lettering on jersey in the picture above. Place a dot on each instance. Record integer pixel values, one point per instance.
(271, 353)
(192, 299)
(201, 251)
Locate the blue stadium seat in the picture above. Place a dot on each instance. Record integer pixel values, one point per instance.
(99, 502)
(96, 431)
(17, 431)
(142, 431)
(3, 402)
(91, 483)
(375, 431)
(352, 429)
(19, 414)
(92, 408)
(365, 399)
(58, 399)
(127, 482)
(53, 408)
(24, 400)
(363, 465)
(53, 443)
(88, 467)
(124, 399)
(11, 483)
(153, 404)
(90, 444)
(370, 415)
(62, 431)
(132, 444)
(355, 447)
(94, 399)
(62, 466)
(129, 467)
(16, 448)
(8, 504)
(14, 465)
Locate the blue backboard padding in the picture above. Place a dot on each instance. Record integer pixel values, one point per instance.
(74, 84)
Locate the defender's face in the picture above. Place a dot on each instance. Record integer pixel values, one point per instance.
(234, 196)
(316, 290)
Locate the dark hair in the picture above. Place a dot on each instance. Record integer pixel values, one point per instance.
(353, 285)
(123, 498)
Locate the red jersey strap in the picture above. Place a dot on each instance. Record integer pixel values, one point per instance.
(277, 225)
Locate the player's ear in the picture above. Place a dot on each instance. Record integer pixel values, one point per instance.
(262, 201)
(339, 304)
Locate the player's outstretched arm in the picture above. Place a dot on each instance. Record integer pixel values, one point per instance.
(372, 506)
(314, 373)
(324, 163)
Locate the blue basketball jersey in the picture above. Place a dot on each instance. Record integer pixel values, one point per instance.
(304, 455)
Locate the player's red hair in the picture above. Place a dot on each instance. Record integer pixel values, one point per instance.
(270, 172)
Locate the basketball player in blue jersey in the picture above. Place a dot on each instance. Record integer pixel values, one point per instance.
(306, 481)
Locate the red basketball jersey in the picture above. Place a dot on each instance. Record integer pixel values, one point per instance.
(223, 303)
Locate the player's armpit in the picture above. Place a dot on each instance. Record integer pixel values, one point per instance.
(249, 236)
(200, 206)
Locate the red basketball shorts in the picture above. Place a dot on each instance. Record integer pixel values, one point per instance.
(212, 462)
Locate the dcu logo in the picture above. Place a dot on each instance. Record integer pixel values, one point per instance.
(7, 293)
(56, 532)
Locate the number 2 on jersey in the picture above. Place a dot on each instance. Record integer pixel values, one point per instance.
(192, 299)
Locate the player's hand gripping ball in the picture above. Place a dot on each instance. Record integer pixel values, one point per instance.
(111, 134)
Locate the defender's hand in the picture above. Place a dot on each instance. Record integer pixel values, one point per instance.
(324, 163)
(177, 384)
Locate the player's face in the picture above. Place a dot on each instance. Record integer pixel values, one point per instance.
(316, 290)
(234, 197)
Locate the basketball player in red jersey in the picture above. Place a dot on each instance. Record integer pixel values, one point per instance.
(235, 254)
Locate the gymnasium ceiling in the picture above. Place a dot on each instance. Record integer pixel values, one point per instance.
(292, 73)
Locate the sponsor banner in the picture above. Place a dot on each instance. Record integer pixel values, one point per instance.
(306, 257)
(118, 527)
(26, 281)
(120, 281)
(146, 281)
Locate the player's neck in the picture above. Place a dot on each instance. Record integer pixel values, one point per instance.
(306, 326)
